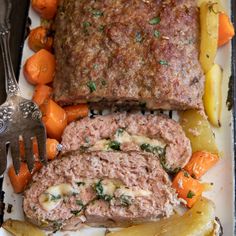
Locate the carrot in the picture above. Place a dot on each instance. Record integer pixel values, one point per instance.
(20, 181)
(40, 68)
(53, 148)
(45, 8)
(39, 39)
(187, 188)
(226, 29)
(75, 112)
(41, 94)
(22, 149)
(200, 163)
(54, 119)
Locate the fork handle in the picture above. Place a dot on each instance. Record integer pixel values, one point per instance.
(12, 87)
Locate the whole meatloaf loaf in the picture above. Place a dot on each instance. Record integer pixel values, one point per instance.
(132, 52)
(156, 134)
(99, 189)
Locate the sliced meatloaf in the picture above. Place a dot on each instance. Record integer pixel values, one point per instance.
(156, 134)
(128, 52)
(99, 188)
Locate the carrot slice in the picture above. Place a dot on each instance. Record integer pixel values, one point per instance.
(45, 8)
(54, 119)
(52, 147)
(40, 68)
(39, 39)
(75, 112)
(200, 163)
(20, 181)
(226, 29)
(41, 94)
(187, 188)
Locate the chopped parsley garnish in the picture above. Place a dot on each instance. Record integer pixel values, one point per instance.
(138, 37)
(156, 33)
(86, 24)
(114, 145)
(76, 212)
(79, 203)
(153, 149)
(155, 21)
(92, 86)
(55, 197)
(125, 200)
(119, 131)
(100, 192)
(80, 183)
(97, 13)
(163, 62)
(190, 194)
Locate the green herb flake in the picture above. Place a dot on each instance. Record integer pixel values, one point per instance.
(138, 37)
(86, 24)
(125, 200)
(104, 83)
(99, 192)
(97, 13)
(115, 145)
(186, 174)
(119, 132)
(153, 149)
(55, 198)
(101, 28)
(156, 33)
(76, 212)
(155, 21)
(190, 194)
(79, 203)
(80, 183)
(163, 62)
(92, 86)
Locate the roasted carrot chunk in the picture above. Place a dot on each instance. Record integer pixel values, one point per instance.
(75, 112)
(45, 8)
(39, 39)
(40, 68)
(187, 188)
(52, 147)
(200, 163)
(41, 94)
(226, 29)
(20, 181)
(54, 119)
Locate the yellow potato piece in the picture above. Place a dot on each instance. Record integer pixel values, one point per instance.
(22, 228)
(198, 129)
(213, 94)
(198, 221)
(209, 21)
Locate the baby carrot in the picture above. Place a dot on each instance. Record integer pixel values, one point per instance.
(45, 8)
(39, 39)
(75, 112)
(187, 188)
(226, 29)
(200, 163)
(40, 68)
(42, 93)
(52, 147)
(54, 119)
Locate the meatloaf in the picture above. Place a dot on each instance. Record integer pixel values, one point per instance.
(128, 52)
(99, 188)
(156, 134)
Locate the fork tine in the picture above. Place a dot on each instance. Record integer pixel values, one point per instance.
(3, 157)
(29, 152)
(41, 140)
(15, 153)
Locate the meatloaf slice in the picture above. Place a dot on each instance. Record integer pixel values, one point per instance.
(99, 188)
(128, 52)
(155, 134)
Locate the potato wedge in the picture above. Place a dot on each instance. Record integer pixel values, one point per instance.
(198, 130)
(209, 21)
(213, 94)
(195, 222)
(22, 228)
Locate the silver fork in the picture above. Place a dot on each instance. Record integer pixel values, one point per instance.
(19, 118)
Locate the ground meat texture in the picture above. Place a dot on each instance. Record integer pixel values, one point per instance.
(133, 169)
(86, 132)
(128, 52)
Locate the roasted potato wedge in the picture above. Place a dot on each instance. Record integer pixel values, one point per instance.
(198, 130)
(197, 221)
(213, 94)
(22, 228)
(209, 21)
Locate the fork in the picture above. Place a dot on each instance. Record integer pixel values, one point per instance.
(19, 118)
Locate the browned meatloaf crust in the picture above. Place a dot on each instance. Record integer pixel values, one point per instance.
(132, 170)
(121, 52)
(84, 133)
